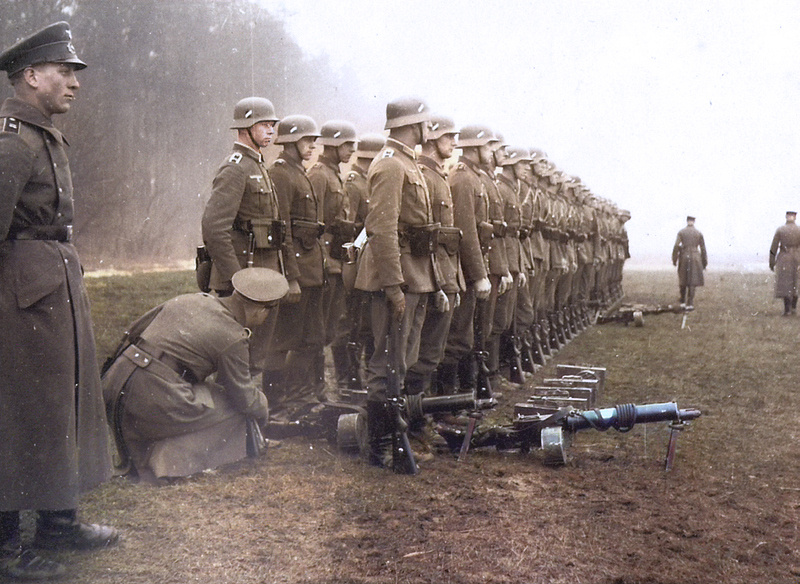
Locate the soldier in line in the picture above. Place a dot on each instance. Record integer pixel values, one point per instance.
(338, 141)
(441, 304)
(540, 249)
(515, 168)
(499, 273)
(555, 231)
(179, 390)
(471, 217)
(397, 264)
(784, 260)
(689, 254)
(292, 380)
(602, 254)
(357, 314)
(51, 407)
(242, 224)
(622, 253)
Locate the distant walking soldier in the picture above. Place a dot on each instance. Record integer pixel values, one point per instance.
(784, 260)
(689, 254)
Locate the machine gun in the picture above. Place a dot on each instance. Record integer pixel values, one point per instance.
(553, 432)
(634, 313)
(349, 422)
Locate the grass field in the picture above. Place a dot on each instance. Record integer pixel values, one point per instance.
(727, 513)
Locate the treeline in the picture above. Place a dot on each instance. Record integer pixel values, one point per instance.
(151, 122)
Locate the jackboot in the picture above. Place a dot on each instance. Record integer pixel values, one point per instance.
(445, 379)
(341, 365)
(379, 428)
(467, 372)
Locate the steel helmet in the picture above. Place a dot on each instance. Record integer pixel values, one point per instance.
(369, 145)
(538, 155)
(515, 154)
(474, 135)
(440, 126)
(406, 111)
(336, 133)
(252, 110)
(292, 128)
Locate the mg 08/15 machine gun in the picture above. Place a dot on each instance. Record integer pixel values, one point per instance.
(553, 432)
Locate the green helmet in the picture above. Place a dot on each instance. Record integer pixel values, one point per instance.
(292, 128)
(440, 126)
(369, 145)
(336, 133)
(475, 135)
(252, 110)
(406, 111)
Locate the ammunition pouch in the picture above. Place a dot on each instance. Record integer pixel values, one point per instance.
(485, 235)
(421, 239)
(512, 232)
(341, 232)
(202, 268)
(267, 233)
(307, 232)
(524, 232)
(450, 239)
(500, 228)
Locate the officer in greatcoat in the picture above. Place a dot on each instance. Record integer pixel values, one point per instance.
(784, 260)
(179, 390)
(689, 254)
(54, 436)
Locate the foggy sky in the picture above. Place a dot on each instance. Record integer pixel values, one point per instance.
(667, 109)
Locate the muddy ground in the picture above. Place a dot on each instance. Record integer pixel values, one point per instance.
(727, 512)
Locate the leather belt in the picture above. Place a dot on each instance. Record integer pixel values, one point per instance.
(61, 233)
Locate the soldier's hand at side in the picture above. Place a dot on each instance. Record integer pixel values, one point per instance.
(440, 301)
(505, 283)
(397, 301)
(483, 288)
(522, 279)
(457, 300)
(293, 296)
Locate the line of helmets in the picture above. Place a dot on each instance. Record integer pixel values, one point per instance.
(252, 110)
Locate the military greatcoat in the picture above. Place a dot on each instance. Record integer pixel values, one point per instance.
(784, 258)
(54, 435)
(689, 252)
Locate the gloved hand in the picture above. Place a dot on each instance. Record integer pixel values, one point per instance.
(293, 296)
(397, 300)
(440, 301)
(505, 283)
(483, 288)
